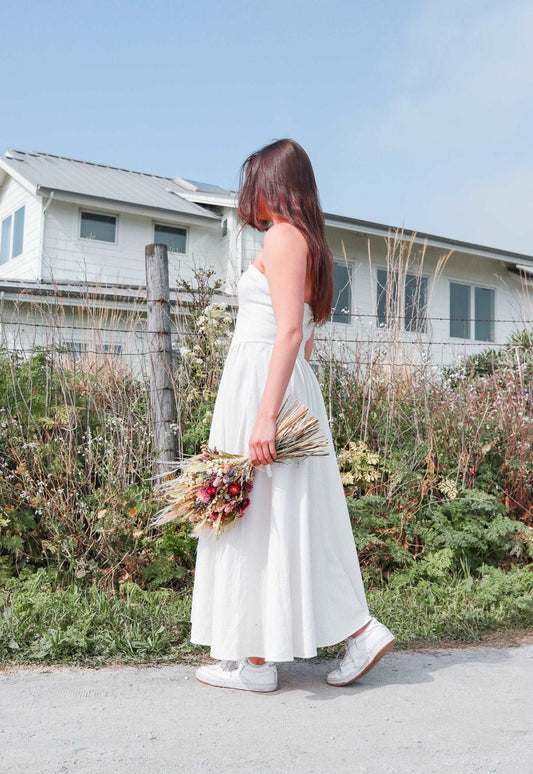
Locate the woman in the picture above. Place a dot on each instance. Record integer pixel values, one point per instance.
(286, 579)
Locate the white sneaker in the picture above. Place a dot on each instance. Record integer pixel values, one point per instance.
(362, 653)
(243, 675)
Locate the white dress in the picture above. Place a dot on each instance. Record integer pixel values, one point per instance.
(286, 578)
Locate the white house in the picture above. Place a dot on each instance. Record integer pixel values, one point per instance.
(75, 231)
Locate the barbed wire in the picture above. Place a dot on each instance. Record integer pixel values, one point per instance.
(199, 334)
(469, 320)
(75, 354)
(139, 353)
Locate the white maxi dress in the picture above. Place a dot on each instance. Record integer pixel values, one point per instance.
(286, 578)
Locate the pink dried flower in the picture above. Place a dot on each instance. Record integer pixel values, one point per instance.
(203, 496)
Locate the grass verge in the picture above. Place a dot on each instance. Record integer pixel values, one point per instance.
(43, 623)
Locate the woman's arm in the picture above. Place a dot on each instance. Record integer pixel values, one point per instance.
(284, 256)
(309, 344)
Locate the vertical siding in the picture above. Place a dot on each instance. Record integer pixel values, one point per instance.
(13, 196)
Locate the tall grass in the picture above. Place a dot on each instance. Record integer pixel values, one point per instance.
(437, 462)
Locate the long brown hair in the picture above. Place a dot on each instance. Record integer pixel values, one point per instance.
(283, 174)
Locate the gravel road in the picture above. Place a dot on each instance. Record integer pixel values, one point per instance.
(444, 710)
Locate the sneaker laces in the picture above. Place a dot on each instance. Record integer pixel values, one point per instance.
(228, 665)
(343, 650)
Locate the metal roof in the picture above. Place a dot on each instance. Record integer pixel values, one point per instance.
(207, 187)
(381, 229)
(48, 172)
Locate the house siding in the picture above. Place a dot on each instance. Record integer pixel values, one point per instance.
(67, 256)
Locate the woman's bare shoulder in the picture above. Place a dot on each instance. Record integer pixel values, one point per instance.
(285, 235)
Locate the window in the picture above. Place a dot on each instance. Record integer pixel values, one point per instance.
(18, 233)
(342, 292)
(94, 225)
(415, 300)
(5, 239)
(459, 310)
(224, 228)
(12, 236)
(113, 349)
(174, 238)
(461, 297)
(76, 348)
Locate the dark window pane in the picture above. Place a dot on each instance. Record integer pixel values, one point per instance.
(18, 232)
(415, 302)
(174, 238)
(459, 310)
(115, 349)
(387, 296)
(224, 227)
(75, 348)
(382, 297)
(484, 314)
(342, 293)
(96, 226)
(5, 240)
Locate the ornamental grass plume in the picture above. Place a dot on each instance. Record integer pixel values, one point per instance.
(213, 491)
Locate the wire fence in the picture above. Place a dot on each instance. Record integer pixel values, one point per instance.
(470, 320)
(90, 336)
(381, 329)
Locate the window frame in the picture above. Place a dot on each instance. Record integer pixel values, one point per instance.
(472, 321)
(386, 325)
(11, 245)
(9, 238)
(91, 211)
(172, 225)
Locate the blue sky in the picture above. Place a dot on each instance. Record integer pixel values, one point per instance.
(415, 114)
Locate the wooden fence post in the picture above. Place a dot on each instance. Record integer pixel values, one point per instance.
(163, 406)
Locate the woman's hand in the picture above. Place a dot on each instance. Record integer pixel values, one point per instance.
(261, 444)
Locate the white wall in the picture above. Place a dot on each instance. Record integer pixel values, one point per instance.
(13, 196)
(67, 256)
(252, 244)
(98, 325)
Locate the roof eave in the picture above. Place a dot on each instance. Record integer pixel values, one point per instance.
(219, 199)
(421, 237)
(33, 290)
(23, 181)
(77, 196)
